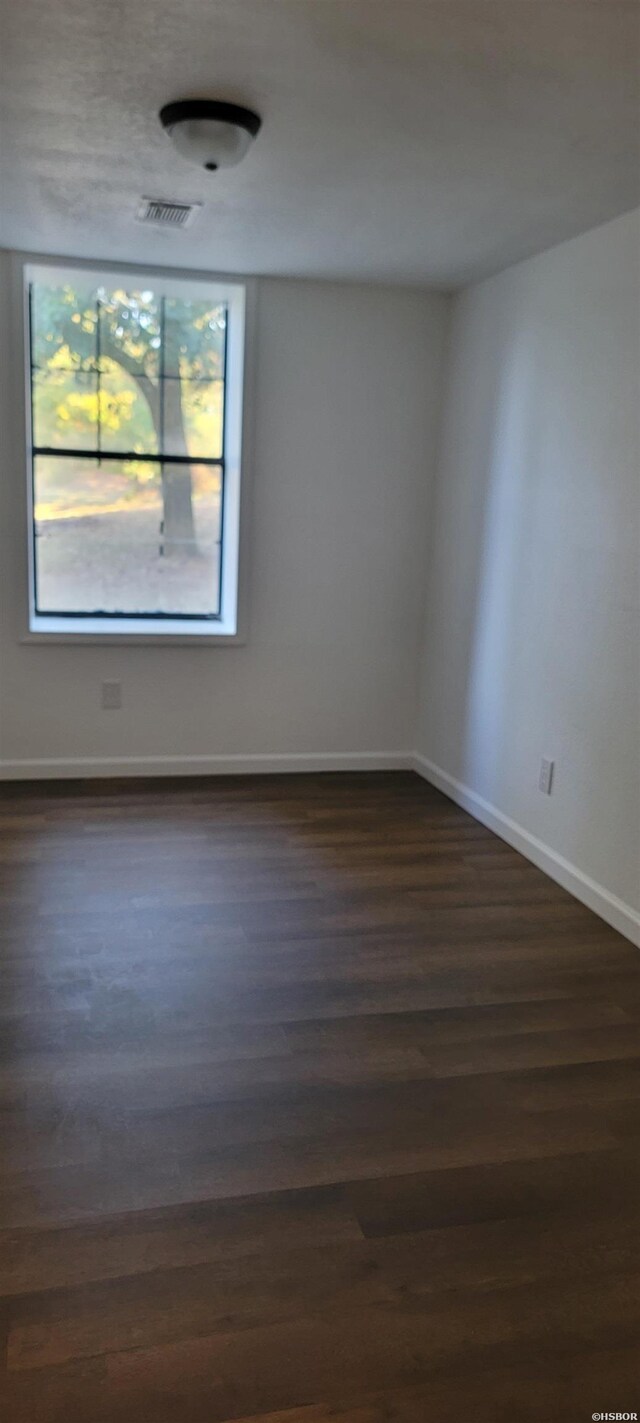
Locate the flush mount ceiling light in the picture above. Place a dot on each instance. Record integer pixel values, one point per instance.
(209, 132)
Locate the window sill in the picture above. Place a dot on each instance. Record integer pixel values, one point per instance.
(132, 632)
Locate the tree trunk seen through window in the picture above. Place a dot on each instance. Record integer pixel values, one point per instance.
(179, 533)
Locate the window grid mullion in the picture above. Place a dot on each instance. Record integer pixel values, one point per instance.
(161, 371)
(123, 455)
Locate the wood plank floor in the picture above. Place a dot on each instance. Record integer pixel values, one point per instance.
(319, 1104)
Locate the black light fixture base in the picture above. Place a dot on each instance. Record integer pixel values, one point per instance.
(218, 109)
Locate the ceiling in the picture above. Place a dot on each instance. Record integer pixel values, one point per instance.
(403, 140)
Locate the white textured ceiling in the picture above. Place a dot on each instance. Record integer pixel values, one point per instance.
(403, 140)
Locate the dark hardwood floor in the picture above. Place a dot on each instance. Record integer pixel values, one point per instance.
(319, 1104)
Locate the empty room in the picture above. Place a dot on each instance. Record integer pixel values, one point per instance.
(319, 711)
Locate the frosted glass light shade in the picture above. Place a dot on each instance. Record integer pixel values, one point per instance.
(209, 133)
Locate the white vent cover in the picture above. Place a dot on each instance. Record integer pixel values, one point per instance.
(163, 213)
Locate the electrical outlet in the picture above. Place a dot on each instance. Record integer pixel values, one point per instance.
(111, 696)
(545, 776)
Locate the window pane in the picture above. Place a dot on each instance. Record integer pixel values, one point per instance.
(194, 339)
(130, 330)
(161, 364)
(129, 412)
(63, 326)
(193, 416)
(65, 409)
(115, 539)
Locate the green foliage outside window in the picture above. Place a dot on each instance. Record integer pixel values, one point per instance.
(125, 371)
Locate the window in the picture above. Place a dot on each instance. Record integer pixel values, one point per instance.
(135, 407)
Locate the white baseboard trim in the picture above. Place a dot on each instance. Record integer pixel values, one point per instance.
(63, 768)
(614, 911)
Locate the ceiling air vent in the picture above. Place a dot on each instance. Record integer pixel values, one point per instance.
(161, 213)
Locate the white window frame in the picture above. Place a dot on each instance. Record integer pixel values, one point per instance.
(230, 626)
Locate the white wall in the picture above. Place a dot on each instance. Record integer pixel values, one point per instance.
(532, 630)
(346, 402)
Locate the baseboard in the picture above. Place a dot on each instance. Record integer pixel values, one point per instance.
(614, 911)
(71, 768)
